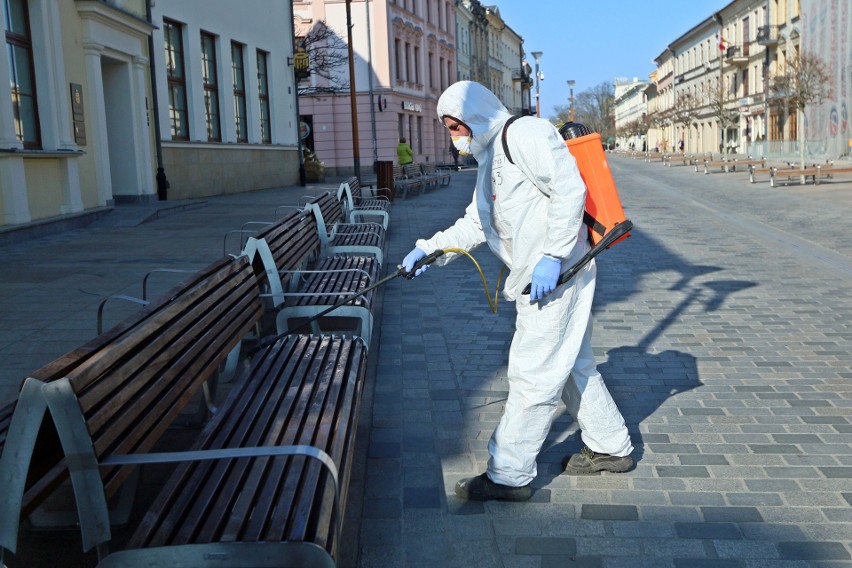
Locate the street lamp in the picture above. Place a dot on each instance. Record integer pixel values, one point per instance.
(571, 99)
(537, 55)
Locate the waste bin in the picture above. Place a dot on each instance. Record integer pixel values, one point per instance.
(384, 178)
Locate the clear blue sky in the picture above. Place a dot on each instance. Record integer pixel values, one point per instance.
(593, 41)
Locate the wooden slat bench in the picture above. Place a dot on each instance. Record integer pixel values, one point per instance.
(402, 184)
(301, 283)
(828, 171)
(725, 165)
(682, 159)
(732, 165)
(231, 503)
(337, 236)
(802, 176)
(442, 175)
(118, 394)
(754, 172)
(357, 207)
(413, 171)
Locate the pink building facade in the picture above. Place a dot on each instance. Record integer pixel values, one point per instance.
(405, 56)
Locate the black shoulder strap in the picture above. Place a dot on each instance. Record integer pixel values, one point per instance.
(588, 220)
(505, 141)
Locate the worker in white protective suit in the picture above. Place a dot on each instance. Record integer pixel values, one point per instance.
(530, 214)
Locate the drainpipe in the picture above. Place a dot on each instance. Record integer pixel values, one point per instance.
(370, 73)
(303, 176)
(162, 181)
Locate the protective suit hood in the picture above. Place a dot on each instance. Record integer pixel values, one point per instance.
(478, 108)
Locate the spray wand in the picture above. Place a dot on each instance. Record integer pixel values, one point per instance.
(616, 233)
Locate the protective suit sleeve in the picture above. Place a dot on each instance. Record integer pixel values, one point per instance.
(466, 233)
(540, 152)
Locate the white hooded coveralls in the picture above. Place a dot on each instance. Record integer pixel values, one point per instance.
(525, 210)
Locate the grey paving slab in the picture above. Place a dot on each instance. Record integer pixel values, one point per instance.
(723, 327)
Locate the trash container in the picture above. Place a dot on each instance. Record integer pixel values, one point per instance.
(384, 178)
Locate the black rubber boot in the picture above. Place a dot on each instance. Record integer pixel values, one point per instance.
(480, 488)
(588, 462)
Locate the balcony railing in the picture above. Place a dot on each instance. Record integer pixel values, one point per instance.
(735, 55)
(519, 75)
(767, 35)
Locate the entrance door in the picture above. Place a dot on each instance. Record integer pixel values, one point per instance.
(121, 147)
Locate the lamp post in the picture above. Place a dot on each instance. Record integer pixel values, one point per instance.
(571, 99)
(537, 55)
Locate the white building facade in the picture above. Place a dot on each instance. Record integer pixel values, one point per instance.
(631, 109)
(78, 127)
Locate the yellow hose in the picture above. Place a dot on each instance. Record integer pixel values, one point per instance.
(491, 303)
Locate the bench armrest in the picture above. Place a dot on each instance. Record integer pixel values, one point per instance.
(124, 297)
(230, 453)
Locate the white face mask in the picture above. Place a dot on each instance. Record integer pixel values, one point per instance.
(462, 144)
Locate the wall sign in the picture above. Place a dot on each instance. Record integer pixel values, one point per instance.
(408, 105)
(77, 114)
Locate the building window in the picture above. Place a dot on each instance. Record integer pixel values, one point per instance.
(398, 56)
(420, 134)
(19, 51)
(211, 87)
(400, 126)
(173, 34)
(239, 76)
(408, 62)
(263, 97)
(416, 64)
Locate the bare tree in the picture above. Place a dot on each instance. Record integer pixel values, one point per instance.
(803, 82)
(593, 108)
(657, 121)
(328, 57)
(722, 106)
(684, 110)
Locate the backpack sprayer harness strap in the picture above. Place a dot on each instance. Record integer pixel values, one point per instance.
(588, 220)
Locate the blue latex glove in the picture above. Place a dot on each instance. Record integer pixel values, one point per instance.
(411, 258)
(544, 277)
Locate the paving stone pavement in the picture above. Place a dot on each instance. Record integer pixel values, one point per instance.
(722, 327)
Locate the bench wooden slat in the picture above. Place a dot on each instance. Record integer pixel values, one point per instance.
(39, 481)
(362, 206)
(128, 417)
(305, 390)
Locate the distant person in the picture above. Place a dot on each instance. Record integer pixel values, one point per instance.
(644, 145)
(455, 153)
(680, 145)
(404, 152)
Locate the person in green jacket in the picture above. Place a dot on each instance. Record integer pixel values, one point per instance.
(404, 152)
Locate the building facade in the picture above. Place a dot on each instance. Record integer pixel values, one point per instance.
(226, 94)
(78, 73)
(404, 57)
(78, 128)
(713, 85)
(406, 52)
(506, 63)
(630, 109)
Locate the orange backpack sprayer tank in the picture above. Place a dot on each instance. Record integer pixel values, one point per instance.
(603, 206)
